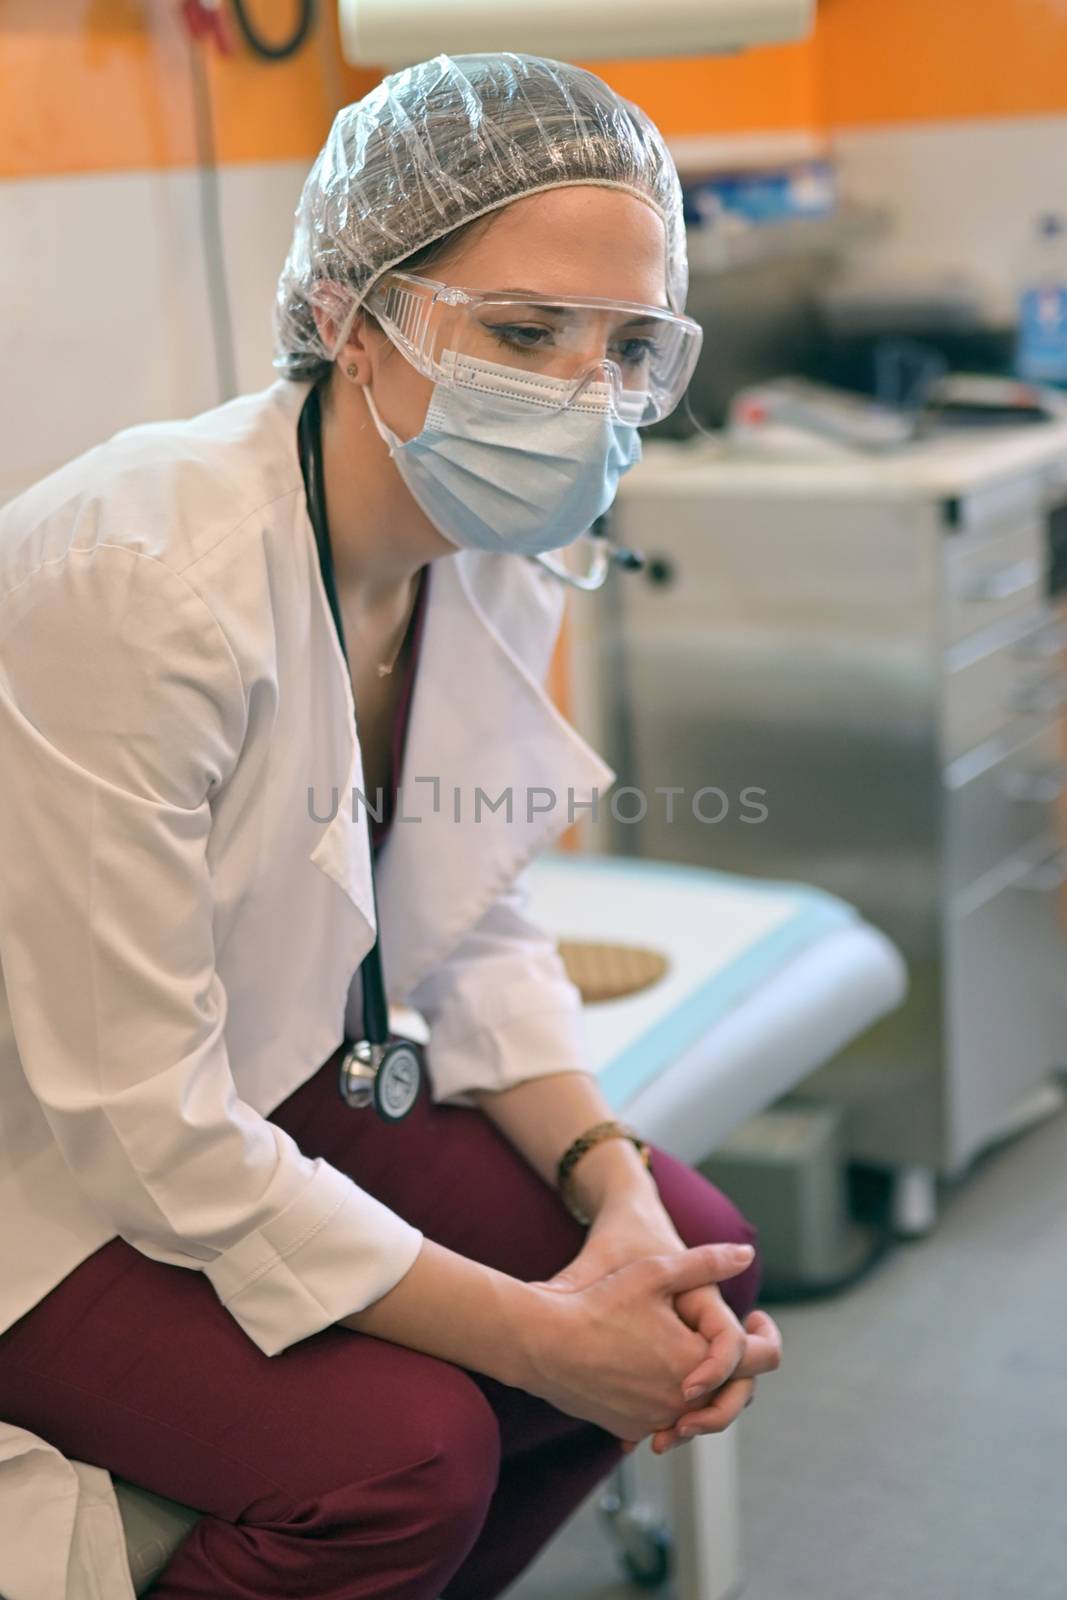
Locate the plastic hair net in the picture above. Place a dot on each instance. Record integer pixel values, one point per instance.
(438, 144)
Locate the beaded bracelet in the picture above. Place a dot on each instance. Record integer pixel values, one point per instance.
(574, 1152)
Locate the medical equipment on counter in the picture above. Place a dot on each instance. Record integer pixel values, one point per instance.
(978, 399)
(794, 417)
(394, 32)
(377, 1069)
(870, 640)
(810, 413)
(763, 982)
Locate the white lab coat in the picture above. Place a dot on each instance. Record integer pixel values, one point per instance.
(178, 928)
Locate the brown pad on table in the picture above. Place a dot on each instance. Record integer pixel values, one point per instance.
(609, 971)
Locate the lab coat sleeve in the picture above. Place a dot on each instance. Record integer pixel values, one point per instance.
(122, 713)
(501, 1008)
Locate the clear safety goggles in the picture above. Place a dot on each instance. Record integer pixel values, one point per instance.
(631, 361)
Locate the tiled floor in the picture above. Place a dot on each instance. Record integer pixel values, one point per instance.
(914, 1442)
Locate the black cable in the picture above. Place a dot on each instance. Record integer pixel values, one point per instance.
(211, 229)
(255, 41)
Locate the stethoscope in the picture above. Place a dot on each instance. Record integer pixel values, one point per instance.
(604, 554)
(377, 1069)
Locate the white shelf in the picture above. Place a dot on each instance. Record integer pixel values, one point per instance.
(716, 249)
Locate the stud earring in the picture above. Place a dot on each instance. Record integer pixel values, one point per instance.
(350, 370)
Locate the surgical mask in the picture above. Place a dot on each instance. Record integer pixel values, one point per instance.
(494, 471)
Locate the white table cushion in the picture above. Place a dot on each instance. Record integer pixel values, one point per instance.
(766, 981)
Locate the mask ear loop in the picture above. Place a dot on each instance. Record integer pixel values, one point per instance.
(392, 440)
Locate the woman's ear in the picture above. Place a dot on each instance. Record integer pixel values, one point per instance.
(330, 307)
(355, 356)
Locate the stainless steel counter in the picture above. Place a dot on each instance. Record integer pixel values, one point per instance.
(872, 644)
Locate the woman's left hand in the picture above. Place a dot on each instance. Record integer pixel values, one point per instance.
(717, 1391)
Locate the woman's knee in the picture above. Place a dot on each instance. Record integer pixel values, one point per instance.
(449, 1470)
(408, 1456)
(458, 1477)
(441, 1471)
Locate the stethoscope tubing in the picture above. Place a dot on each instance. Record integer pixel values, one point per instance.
(375, 1003)
(376, 1031)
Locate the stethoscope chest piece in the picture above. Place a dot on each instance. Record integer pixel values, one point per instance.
(387, 1076)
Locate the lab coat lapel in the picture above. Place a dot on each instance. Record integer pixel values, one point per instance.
(479, 720)
(342, 848)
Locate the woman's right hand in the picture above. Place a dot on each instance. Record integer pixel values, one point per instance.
(616, 1352)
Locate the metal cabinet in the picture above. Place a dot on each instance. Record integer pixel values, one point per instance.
(871, 647)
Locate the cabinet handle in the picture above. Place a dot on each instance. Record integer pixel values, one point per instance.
(1000, 583)
(1046, 877)
(1036, 785)
(1048, 694)
(1044, 643)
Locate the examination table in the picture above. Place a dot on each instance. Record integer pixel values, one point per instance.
(764, 982)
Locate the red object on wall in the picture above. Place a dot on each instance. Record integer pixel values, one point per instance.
(204, 20)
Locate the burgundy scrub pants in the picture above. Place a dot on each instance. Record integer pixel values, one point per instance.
(346, 1467)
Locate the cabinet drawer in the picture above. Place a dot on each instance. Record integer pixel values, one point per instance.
(997, 811)
(987, 579)
(1006, 999)
(987, 690)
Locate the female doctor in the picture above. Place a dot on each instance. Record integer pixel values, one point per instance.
(384, 1346)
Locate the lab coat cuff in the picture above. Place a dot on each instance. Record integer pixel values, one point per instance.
(331, 1252)
(529, 1044)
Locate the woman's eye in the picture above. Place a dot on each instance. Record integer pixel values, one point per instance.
(519, 335)
(634, 352)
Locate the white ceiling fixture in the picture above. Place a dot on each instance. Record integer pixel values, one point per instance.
(395, 33)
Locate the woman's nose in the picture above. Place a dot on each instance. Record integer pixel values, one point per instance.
(602, 370)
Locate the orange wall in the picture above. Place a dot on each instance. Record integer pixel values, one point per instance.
(759, 90)
(941, 60)
(104, 85)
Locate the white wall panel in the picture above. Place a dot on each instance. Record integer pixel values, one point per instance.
(962, 195)
(104, 318)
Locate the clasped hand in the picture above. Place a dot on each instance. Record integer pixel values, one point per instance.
(718, 1389)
